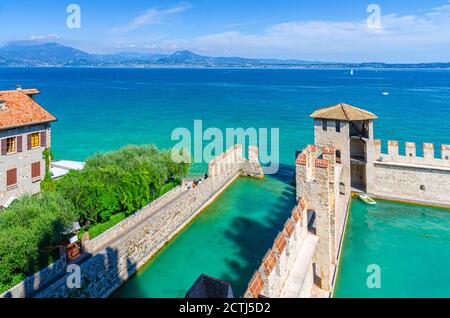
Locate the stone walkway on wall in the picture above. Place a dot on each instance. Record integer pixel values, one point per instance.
(299, 273)
(114, 256)
(130, 229)
(86, 255)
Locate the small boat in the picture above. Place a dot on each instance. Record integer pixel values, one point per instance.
(367, 199)
(352, 72)
(385, 93)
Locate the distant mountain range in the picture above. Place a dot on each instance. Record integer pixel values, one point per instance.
(34, 53)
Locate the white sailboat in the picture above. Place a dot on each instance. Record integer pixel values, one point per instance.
(352, 72)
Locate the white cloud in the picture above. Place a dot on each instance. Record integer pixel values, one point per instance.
(152, 16)
(45, 37)
(401, 38)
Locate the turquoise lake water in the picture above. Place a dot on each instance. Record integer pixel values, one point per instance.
(105, 109)
(409, 243)
(227, 241)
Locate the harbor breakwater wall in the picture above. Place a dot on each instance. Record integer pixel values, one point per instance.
(131, 244)
(411, 177)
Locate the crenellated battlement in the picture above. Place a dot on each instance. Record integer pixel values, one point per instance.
(411, 157)
(232, 161)
(316, 162)
(269, 280)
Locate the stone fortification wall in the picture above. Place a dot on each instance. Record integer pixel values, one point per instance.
(121, 228)
(278, 264)
(410, 157)
(410, 177)
(104, 271)
(33, 283)
(233, 160)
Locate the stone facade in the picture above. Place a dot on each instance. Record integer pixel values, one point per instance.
(123, 227)
(340, 140)
(344, 158)
(424, 179)
(22, 160)
(317, 183)
(131, 244)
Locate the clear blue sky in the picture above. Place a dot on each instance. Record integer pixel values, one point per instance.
(409, 31)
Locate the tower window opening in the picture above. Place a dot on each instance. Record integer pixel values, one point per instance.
(338, 156)
(324, 125)
(311, 216)
(338, 126)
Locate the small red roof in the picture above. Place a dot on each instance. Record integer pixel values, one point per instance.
(17, 109)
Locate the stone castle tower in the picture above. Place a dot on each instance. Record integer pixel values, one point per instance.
(344, 158)
(350, 130)
(340, 159)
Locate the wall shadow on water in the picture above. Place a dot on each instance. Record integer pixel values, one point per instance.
(285, 174)
(253, 239)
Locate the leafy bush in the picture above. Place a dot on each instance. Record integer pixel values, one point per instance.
(111, 187)
(30, 233)
(97, 229)
(47, 184)
(120, 181)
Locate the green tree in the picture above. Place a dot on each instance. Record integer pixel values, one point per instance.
(30, 233)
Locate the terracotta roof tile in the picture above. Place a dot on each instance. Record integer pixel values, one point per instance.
(289, 228)
(343, 112)
(302, 203)
(280, 243)
(256, 285)
(20, 109)
(296, 213)
(301, 159)
(322, 163)
(393, 143)
(269, 262)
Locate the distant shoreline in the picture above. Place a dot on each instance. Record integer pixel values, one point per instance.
(51, 54)
(372, 68)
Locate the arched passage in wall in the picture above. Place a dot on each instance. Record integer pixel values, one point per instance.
(311, 221)
(358, 160)
(338, 156)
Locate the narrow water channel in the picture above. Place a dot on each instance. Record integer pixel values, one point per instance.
(395, 250)
(227, 241)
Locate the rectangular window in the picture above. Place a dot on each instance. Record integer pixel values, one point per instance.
(35, 142)
(324, 125)
(338, 126)
(11, 177)
(11, 145)
(36, 170)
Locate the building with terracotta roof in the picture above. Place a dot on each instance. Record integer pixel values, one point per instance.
(24, 134)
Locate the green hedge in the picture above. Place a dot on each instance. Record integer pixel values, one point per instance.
(120, 181)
